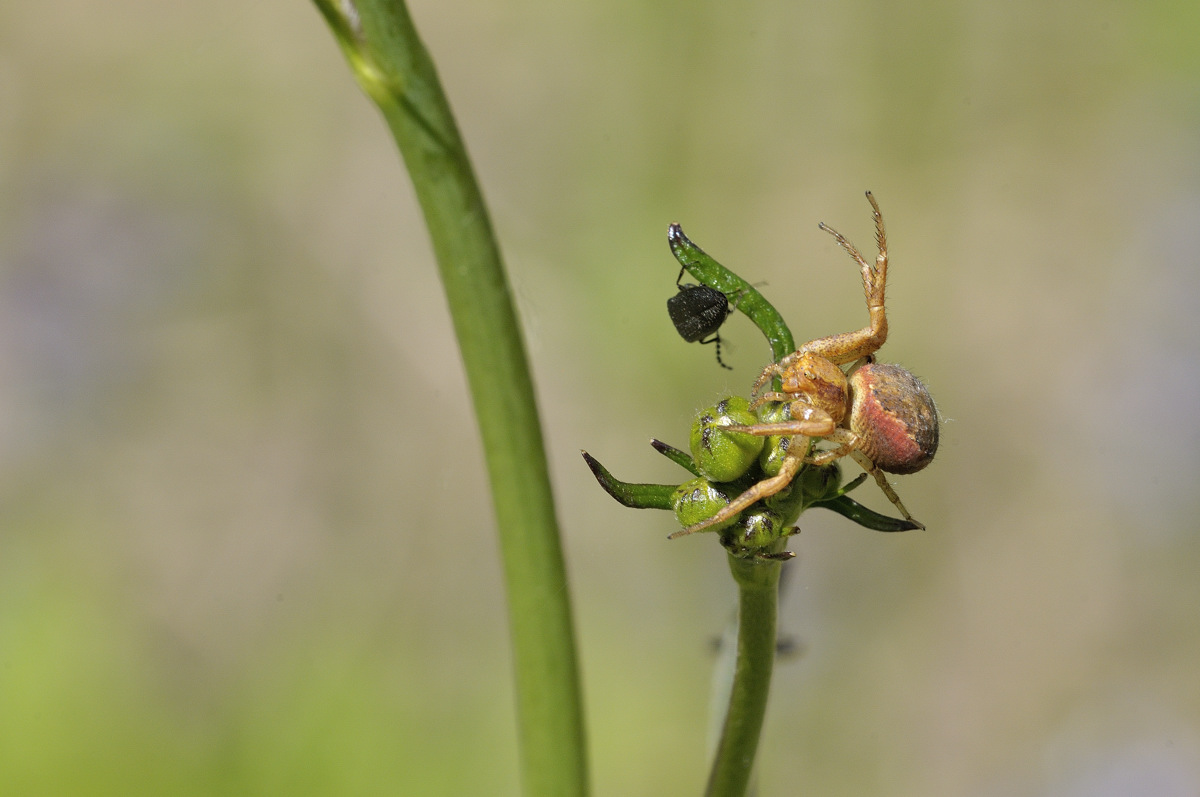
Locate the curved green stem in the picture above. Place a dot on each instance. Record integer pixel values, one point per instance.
(395, 70)
(758, 595)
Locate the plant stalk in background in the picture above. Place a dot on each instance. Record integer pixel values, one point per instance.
(394, 69)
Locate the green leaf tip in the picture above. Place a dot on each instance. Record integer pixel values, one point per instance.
(637, 496)
(847, 507)
(680, 458)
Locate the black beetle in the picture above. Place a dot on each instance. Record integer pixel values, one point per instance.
(697, 312)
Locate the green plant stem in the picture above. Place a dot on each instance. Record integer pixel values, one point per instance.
(395, 70)
(758, 597)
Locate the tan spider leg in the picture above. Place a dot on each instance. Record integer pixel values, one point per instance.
(811, 423)
(774, 369)
(881, 479)
(767, 398)
(849, 346)
(763, 489)
(874, 276)
(850, 442)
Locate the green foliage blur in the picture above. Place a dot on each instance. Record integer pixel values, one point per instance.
(245, 538)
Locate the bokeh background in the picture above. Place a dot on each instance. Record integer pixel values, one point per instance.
(246, 545)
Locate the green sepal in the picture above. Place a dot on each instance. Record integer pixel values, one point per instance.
(821, 483)
(638, 496)
(681, 458)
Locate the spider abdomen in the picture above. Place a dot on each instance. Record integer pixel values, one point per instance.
(894, 416)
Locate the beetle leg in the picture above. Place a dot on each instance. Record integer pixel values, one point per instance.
(716, 338)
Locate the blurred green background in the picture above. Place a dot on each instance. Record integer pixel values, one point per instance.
(246, 546)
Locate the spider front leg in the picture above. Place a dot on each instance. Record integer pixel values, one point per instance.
(774, 369)
(807, 421)
(874, 275)
(763, 489)
(850, 346)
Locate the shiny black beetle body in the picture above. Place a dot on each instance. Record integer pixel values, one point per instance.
(698, 311)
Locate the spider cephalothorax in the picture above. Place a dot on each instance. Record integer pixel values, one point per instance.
(880, 414)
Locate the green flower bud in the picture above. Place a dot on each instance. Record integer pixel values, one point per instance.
(724, 456)
(820, 483)
(698, 500)
(776, 447)
(757, 529)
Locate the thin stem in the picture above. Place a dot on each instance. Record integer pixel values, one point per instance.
(395, 70)
(758, 597)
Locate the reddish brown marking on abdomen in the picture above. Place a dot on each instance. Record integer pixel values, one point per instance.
(895, 417)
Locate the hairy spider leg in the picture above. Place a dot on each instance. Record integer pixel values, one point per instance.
(850, 445)
(763, 489)
(881, 479)
(849, 346)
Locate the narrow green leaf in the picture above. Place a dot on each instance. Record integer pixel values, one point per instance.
(867, 518)
(638, 496)
(681, 458)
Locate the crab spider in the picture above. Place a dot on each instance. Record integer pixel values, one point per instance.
(880, 414)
